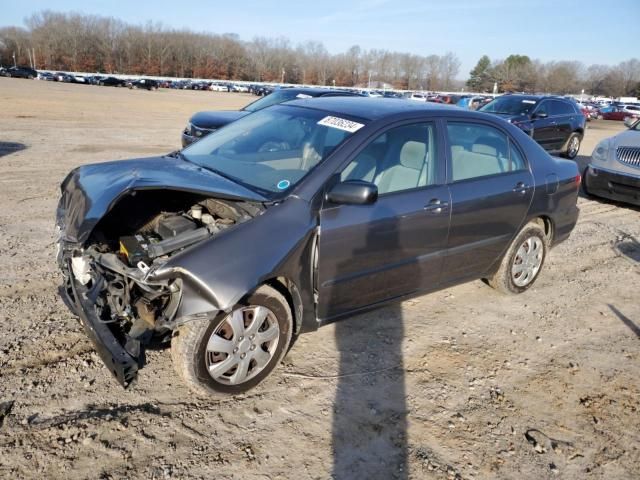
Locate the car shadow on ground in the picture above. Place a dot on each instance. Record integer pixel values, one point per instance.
(626, 320)
(369, 434)
(7, 148)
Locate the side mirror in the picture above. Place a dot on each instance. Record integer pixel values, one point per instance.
(540, 115)
(629, 121)
(353, 192)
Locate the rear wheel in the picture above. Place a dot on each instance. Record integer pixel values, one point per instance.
(523, 261)
(573, 146)
(237, 350)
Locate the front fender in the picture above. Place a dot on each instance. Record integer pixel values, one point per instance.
(219, 272)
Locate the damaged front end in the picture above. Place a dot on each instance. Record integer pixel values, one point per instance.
(109, 265)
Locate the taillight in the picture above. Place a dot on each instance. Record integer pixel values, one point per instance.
(578, 179)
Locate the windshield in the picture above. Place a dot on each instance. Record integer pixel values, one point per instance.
(279, 96)
(510, 105)
(272, 150)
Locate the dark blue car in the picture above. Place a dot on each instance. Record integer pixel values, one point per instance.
(556, 123)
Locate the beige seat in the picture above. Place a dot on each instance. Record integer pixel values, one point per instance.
(485, 158)
(409, 172)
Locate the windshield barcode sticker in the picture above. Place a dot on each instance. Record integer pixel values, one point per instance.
(303, 95)
(529, 101)
(341, 123)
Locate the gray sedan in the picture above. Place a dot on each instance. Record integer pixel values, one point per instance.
(296, 216)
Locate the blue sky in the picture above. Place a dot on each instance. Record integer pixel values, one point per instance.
(590, 31)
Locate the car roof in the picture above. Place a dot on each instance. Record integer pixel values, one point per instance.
(369, 108)
(536, 97)
(318, 91)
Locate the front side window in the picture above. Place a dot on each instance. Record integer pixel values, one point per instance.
(480, 150)
(561, 108)
(402, 158)
(545, 107)
(272, 150)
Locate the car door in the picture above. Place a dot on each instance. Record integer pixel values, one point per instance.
(564, 116)
(491, 189)
(368, 254)
(544, 127)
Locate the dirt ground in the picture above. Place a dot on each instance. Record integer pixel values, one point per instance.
(463, 383)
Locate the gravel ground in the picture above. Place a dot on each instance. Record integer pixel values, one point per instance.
(463, 383)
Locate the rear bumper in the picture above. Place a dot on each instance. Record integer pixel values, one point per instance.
(122, 364)
(612, 185)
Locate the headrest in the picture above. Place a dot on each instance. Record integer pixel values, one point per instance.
(412, 154)
(489, 145)
(486, 149)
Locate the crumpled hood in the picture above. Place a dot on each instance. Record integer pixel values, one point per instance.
(216, 119)
(90, 191)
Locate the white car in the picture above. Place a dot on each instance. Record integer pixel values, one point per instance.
(614, 170)
(416, 97)
(216, 87)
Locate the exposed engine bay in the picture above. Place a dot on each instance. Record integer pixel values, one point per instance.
(140, 233)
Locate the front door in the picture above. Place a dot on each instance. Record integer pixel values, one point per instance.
(544, 128)
(372, 253)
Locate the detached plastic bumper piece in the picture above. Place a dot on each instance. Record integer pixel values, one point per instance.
(122, 364)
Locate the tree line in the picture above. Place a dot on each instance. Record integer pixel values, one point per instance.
(519, 73)
(77, 42)
(88, 43)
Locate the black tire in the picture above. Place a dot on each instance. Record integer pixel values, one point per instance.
(189, 342)
(573, 146)
(504, 279)
(583, 184)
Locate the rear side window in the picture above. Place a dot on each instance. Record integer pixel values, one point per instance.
(480, 150)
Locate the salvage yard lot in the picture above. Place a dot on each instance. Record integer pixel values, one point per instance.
(462, 383)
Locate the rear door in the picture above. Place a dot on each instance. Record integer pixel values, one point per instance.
(368, 254)
(491, 190)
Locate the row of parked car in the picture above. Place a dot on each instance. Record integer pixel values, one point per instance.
(591, 110)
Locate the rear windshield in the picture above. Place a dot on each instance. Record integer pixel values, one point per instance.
(509, 105)
(278, 96)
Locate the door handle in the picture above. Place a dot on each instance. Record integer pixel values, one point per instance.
(521, 188)
(436, 206)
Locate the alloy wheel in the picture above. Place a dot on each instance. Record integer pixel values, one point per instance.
(574, 145)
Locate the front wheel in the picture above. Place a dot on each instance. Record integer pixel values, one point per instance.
(573, 146)
(523, 261)
(237, 350)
